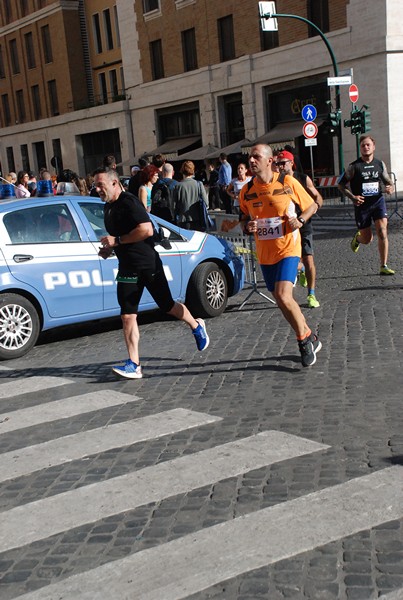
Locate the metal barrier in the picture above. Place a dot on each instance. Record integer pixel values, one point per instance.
(245, 246)
(334, 199)
(331, 195)
(394, 201)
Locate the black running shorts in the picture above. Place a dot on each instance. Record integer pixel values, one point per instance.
(154, 281)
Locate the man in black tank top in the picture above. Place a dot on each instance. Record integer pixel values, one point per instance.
(361, 182)
(307, 277)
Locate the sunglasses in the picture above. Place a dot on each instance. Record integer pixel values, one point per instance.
(282, 163)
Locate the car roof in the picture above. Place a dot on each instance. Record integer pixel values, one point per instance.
(15, 203)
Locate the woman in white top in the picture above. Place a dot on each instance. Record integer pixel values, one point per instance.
(21, 190)
(237, 184)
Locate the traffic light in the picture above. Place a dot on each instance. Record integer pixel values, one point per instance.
(355, 122)
(365, 121)
(334, 119)
(332, 122)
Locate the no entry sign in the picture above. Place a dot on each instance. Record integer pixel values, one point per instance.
(353, 93)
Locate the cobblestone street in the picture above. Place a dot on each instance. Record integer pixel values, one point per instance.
(233, 474)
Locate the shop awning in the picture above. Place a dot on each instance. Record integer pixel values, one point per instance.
(281, 135)
(236, 148)
(173, 148)
(199, 153)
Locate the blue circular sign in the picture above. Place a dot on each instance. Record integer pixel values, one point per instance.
(309, 113)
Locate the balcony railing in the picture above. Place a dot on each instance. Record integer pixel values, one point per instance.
(98, 100)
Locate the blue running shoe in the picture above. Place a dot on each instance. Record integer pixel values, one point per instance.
(201, 337)
(129, 370)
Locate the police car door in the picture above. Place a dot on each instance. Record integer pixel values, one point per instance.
(46, 252)
(172, 260)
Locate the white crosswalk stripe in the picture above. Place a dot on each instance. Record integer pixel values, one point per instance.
(195, 562)
(192, 563)
(88, 504)
(79, 445)
(61, 409)
(32, 384)
(398, 595)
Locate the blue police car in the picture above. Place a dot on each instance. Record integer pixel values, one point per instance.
(51, 274)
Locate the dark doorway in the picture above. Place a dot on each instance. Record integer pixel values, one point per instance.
(234, 125)
(40, 155)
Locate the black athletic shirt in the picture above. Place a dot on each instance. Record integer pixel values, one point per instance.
(121, 217)
(301, 177)
(365, 178)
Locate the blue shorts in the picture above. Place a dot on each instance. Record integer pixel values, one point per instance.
(285, 270)
(371, 210)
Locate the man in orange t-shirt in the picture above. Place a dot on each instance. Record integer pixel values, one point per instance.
(268, 207)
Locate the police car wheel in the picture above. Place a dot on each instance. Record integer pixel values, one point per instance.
(207, 291)
(19, 326)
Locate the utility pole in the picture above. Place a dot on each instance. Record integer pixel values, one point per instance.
(273, 15)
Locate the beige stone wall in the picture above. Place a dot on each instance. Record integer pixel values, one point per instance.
(361, 33)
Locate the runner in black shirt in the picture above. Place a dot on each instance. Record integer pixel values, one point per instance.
(364, 177)
(131, 237)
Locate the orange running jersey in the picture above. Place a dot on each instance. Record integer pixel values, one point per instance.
(271, 204)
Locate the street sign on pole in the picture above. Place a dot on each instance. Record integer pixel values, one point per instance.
(310, 130)
(353, 93)
(266, 10)
(311, 142)
(309, 112)
(346, 80)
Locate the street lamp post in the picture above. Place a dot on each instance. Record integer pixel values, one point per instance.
(274, 15)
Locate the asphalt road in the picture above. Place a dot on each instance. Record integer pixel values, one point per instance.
(233, 474)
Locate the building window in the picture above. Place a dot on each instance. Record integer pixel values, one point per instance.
(108, 29)
(97, 33)
(24, 7)
(2, 71)
(7, 11)
(117, 32)
(103, 88)
(29, 50)
(10, 159)
(6, 109)
(226, 38)
(25, 157)
(157, 62)
(234, 121)
(19, 96)
(47, 44)
(36, 101)
(189, 49)
(269, 40)
(177, 122)
(318, 13)
(113, 83)
(15, 63)
(150, 5)
(57, 153)
(54, 102)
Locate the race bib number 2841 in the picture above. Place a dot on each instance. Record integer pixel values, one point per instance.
(270, 229)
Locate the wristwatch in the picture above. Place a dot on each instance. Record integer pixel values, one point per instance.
(301, 220)
(117, 240)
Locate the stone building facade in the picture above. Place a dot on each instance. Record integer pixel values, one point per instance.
(177, 74)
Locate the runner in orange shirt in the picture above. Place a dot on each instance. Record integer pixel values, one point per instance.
(267, 206)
